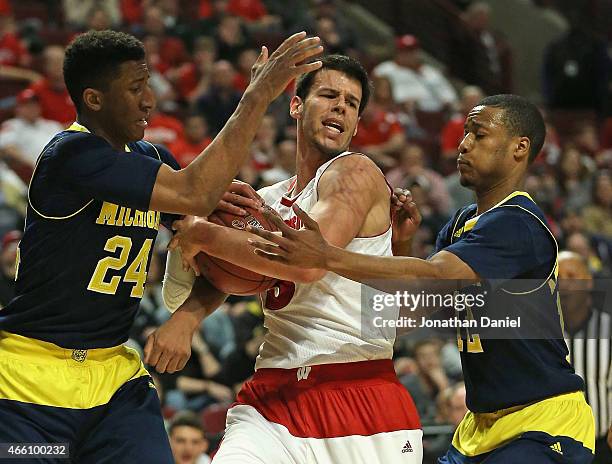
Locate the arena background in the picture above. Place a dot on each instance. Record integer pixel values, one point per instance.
(556, 52)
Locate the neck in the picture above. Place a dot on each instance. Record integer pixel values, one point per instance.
(308, 160)
(490, 196)
(98, 129)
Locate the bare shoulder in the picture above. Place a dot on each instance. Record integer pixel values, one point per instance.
(354, 172)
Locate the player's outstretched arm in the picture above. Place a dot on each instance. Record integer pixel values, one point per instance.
(309, 248)
(169, 347)
(198, 188)
(347, 192)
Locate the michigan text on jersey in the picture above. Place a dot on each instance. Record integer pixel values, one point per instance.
(115, 215)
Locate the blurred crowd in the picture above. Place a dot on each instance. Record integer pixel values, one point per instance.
(200, 53)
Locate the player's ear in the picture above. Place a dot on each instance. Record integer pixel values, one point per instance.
(296, 107)
(93, 99)
(356, 127)
(522, 148)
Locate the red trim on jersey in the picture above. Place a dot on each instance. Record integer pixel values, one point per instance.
(333, 400)
(285, 200)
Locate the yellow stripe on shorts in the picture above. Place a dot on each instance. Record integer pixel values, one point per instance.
(566, 415)
(38, 372)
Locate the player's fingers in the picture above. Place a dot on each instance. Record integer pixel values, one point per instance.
(162, 364)
(245, 190)
(148, 348)
(271, 256)
(306, 49)
(275, 219)
(154, 351)
(263, 56)
(173, 364)
(239, 199)
(182, 362)
(267, 235)
(191, 261)
(308, 67)
(178, 225)
(268, 247)
(309, 222)
(288, 43)
(414, 212)
(231, 208)
(174, 241)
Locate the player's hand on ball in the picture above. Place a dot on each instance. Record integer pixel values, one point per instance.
(305, 248)
(168, 348)
(406, 216)
(271, 74)
(189, 236)
(238, 196)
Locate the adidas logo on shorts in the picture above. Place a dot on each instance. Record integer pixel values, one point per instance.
(407, 447)
(556, 448)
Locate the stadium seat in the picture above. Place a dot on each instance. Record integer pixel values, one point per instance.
(213, 418)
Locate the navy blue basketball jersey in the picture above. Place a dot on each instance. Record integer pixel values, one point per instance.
(513, 251)
(88, 239)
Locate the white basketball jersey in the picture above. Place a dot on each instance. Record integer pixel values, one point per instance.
(320, 322)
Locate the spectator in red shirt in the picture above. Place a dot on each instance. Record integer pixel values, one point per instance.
(51, 91)
(379, 133)
(250, 10)
(163, 128)
(246, 60)
(12, 50)
(193, 79)
(196, 139)
(412, 169)
(231, 38)
(218, 104)
(452, 132)
(172, 52)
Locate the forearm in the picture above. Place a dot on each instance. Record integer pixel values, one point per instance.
(219, 163)
(202, 301)
(207, 177)
(357, 267)
(232, 245)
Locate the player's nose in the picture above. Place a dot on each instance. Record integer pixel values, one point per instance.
(465, 144)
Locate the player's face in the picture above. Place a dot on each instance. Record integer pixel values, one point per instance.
(187, 444)
(485, 153)
(128, 101)
(330, 112)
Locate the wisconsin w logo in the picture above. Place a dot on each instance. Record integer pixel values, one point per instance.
(302, 373)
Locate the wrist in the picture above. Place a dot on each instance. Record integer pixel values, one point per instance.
(255, 95)
(189, 320)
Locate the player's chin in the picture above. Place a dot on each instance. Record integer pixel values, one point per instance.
(137, 133)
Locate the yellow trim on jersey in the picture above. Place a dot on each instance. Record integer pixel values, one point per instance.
(566, 415)
(75, 127)
(38, 372)
(470, 223)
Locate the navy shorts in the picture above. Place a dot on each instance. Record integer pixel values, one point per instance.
(531, 447)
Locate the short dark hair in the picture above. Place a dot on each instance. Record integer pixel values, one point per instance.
(185, 419)
(522, 118)
(345, 64)
(93, 59)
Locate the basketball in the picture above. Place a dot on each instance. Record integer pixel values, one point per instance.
(228, 277)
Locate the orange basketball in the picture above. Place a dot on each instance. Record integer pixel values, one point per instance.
(228, 277)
